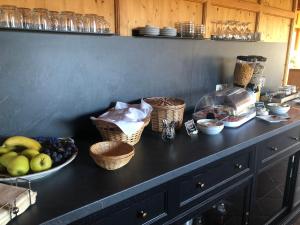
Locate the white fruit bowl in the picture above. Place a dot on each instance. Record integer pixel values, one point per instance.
(277, 108)
(38, 175)
(210, 126)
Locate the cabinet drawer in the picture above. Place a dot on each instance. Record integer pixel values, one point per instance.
(213, 176)
(146, 211)
(277, 144)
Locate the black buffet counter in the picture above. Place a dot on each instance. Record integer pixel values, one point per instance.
(169, 183)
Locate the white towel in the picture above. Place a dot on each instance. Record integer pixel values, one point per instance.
(129, 118)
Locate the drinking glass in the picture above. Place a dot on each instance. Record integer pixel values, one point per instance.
(213, 34)
(219, 30)
(79, 22)
(199, 31)
(248, 31)
(41, 19)
(188, 29)
(179, 28)
(91, 23)
(105, 25)
(10, 17)
(26, 18)
(235, 30)
(68, 21)
(243, 31)
(55, 20)
(229, 30)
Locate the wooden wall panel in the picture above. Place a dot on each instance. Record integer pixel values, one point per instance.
(255, 1)
(274, 29)
(224, 14)
(281, 4)
(294, 77)
(137, 13)
(100, 7)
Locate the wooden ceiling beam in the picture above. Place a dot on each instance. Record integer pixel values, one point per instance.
(278, 12)
(254, 7)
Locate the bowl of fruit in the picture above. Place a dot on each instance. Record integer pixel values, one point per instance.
(34, 158)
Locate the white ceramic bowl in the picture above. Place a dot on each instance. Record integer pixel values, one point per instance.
(210, 126)
(277, 108)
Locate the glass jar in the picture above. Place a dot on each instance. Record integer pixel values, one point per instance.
(68, 21)
(10, 17)
(243, 71)
(41, 20)
(55, 20)
(260, 64)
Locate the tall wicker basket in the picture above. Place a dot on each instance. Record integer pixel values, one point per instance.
(171, 109)
(111, 132)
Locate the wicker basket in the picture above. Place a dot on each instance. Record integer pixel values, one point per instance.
(111, 155)
(171, 109)
(111, 132)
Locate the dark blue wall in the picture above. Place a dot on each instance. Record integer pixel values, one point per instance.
(51, 83)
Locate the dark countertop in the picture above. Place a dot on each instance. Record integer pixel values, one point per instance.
(83, 188)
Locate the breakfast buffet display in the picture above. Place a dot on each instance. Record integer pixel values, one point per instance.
(27, 159)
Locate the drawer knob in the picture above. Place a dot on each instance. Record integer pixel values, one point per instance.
(274, 149)
(142, 214)
(200, 185)
(296, 138)
(239, 166)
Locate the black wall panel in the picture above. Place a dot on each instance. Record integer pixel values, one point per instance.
(51, 83)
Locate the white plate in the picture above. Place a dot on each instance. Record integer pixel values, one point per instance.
(297, 100)
(274, 118)
(240, 122)
(147, 34)
(38, 175)
(168, 33)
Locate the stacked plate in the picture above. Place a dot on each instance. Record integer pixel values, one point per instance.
(168, 32)
(149, 31)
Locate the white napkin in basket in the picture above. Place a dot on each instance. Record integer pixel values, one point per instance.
(129, 118)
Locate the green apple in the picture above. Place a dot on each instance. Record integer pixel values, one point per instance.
(4, 150)
(30, 153)
(40, 162)
(5, 159)
(18, 166)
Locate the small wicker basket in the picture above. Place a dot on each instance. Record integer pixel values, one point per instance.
(111, 155)
(171, 109)
(111, 132)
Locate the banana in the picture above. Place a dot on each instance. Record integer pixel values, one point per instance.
(16, 141)
(4, 150)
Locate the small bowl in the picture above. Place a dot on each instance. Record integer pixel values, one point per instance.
(111, 155)
(210, 126)
(278, 108)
